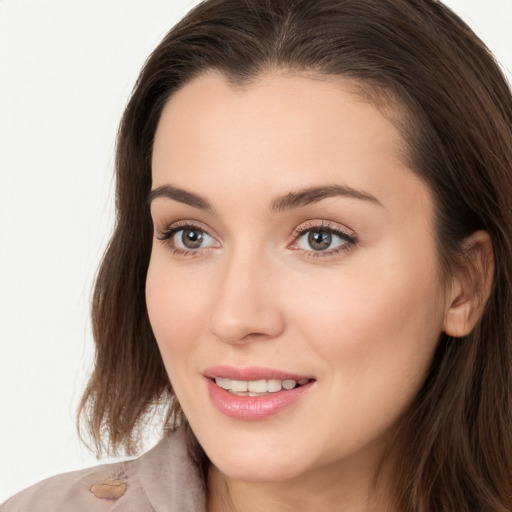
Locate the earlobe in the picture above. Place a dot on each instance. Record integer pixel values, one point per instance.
(471, 286)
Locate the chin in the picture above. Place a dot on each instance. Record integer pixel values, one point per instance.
(244, 458)
(263, 468)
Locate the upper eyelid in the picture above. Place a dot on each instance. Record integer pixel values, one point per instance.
(167, 234)
(339, 230)
(324, 224)
(182, 224)
(299, 230)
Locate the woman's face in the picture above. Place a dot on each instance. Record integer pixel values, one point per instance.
(293, 247)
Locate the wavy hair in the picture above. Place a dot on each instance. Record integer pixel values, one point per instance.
(453, 106)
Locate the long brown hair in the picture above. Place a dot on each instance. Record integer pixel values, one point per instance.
(454, 109)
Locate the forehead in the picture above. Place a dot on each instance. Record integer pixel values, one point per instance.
(316, 94)
(283, 131)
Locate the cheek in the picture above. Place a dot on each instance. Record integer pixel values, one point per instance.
(364, 314)
(375, 331)
(176, 302)
(368, 301)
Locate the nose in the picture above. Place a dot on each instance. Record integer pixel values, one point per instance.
(246, 306)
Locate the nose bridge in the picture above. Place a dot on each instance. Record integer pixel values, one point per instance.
(244, 307)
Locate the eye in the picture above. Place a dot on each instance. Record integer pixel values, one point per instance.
(322, 238)
(319, 240)
(191, 238)
(184, 239)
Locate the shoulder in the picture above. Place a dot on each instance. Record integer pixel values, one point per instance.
(162, 479)
(98, 488)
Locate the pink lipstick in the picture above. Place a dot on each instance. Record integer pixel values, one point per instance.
(254, 393)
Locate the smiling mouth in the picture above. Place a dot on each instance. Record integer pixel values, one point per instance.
(260, 387)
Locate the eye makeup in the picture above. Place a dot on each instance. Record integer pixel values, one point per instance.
(313, 238)
(190, 242)
(321, 238)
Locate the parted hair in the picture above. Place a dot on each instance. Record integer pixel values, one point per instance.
(453, 106)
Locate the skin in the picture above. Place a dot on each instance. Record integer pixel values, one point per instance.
(364, 321)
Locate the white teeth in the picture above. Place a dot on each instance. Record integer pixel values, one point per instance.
(223, 383)
(256, 387)
(239, 385)
(274, 385)
(289, 384)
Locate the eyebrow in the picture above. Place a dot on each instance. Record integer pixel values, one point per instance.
(180, 195)
(312, 195)
(289, 201)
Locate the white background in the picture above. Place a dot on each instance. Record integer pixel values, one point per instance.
(66, 70)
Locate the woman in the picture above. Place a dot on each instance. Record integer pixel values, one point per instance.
(310, 273)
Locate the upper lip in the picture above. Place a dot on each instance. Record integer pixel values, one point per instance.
(252, 373)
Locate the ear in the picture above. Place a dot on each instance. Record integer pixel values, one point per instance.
(471, 286)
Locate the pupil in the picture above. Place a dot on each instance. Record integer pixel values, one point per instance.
(191, 238)
(319, 240)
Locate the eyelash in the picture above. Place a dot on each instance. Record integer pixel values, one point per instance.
(350, 240)
(168, 233)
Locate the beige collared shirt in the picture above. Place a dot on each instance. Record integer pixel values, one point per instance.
(162, 480)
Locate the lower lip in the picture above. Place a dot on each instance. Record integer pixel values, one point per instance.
(252, 408)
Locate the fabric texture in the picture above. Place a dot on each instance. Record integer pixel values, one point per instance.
(164, 479)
